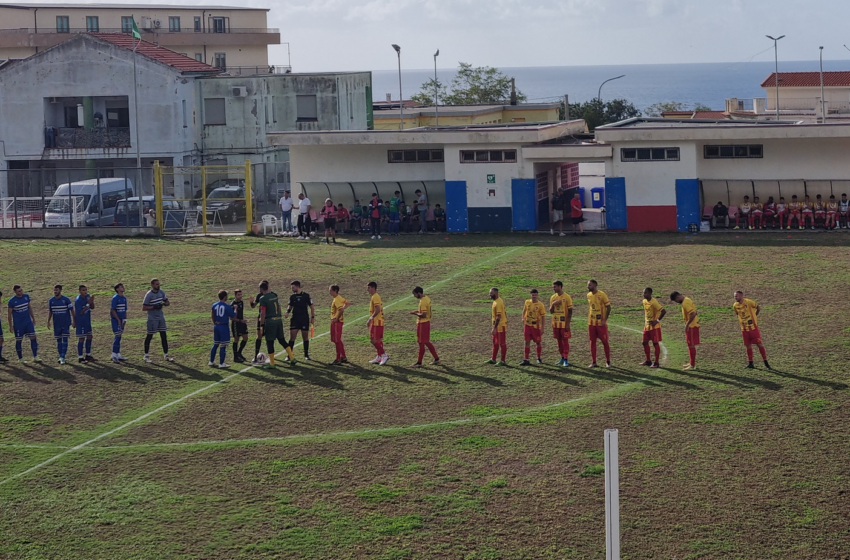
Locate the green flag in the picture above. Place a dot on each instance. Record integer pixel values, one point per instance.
(136, 34)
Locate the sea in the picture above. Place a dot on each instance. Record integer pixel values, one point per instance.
(643, 85)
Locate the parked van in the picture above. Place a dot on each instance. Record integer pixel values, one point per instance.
(79, 201)
(127, 213)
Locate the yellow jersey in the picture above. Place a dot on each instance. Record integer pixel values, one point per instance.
(746, 207)
(336, 308)
(819, 205)
(533, 314)
(652, 309)
(832, 206)
(561, 305)
(758, 207)
(424, 307)
(808, 205)
(746, 311)
(688, 307)
(793, 206)
(499, 312)
(598, 302)
(374, 303)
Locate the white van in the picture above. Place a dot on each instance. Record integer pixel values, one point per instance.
(79, 201)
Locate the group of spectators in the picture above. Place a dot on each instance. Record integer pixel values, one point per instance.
(560, 202)
(829, 214)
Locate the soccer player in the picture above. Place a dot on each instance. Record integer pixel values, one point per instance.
(270, 318)
(303, 318)
(239, 328)
(831, 213)
(794, 211)
(329, 213)
(499, 329)
(153, 303)
(744, 212)
(757, 215)
(689, 314)
(61, 310)
(808, 212)
(654, 312)
(597, 321)
(221, 314)
(118, 314)
(2, 359)
(533, 314)
(561, 308)
(83, 306)
(747, 311)
(781, 212)
(844, 210)
(376, 324)
(423, 327)
(255, 301)
(769, 212)
(820, 211)
(395, 214)
(22, 323)
(338, 307)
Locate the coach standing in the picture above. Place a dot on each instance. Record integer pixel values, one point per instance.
(304, 224)
(286, 204)
(577, 213)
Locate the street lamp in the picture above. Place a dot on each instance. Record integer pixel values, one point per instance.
(400, 96)
(599, 95)
(436, 89)
(776, 74)
(822, 100)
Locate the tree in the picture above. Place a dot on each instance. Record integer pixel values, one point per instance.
(658, 109)
(470, 86)
(426, 93)
(597, 113)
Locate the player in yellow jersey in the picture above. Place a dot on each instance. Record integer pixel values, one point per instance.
(654, 312)
(338, 307)
(597, 321)
(808, 212)
(747, 311)
(831, 213)
(423, 327)
(795, 208)
(744, 211)
(561, 308)
(499, 328)
(533, 315)
(376, 324)
(691, 318)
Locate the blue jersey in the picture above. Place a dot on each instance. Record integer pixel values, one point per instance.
(61, 310)
(20, 307)
(82, 311)
(223, 313)
(119, 305)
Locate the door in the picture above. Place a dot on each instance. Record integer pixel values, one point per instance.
(524, 204)
(457, 219)
(615, 203)
(687, 203)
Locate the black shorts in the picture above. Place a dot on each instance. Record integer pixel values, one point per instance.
(274, 331)
(238, 329)
(578, 220)
(330, 223)
(299, 323)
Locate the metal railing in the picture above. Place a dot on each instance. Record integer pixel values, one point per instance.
(71, 138)
(256, 70)
(158, 30)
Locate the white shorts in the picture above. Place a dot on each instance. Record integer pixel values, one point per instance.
(557, 215)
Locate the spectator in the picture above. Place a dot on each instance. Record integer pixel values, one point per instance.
(406, 217)
(329, 217)
(440, 218)
(286, 204)
(304, 224)
(356, 216)
(430, 220)
(375, 215)
(720, 212)
(385, 217)
(342, 218)
(150, 218)
(364, 212)
(577, 213)
(422, 208)
(559, 202)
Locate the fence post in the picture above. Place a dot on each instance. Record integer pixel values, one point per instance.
(204, 197)
(249, 199)
(157, 188)
(612, 495)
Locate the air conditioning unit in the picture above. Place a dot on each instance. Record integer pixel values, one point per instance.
(157, 24)
(239, 91)
(146, 23)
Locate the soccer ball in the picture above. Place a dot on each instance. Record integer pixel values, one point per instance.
(312, 234)
(262, 358)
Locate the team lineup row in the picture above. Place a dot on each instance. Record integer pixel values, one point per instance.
(231, 327)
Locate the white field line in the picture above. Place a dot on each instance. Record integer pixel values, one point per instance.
(147, 415)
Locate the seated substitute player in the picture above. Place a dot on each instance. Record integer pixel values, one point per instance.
(2, 359)
(781, 212)
(423, 327)
(820, 211)
(272, 321)
(744, 211)
(118, 314)
(795, 208)
(338, 307)
(153, 303)
(83, 306)
(691, 318)
(747, 311)
(654, 312)
(61, 310)
(499, 329)
(561, 308)
(597, 321)
(844, 210)
(239, 328)
(221, 314)
(808, 211)
(831, 213)
(303, 318)
(22, 323)
(533, 315)
(375, 324)
(757, 215)
(769, 213)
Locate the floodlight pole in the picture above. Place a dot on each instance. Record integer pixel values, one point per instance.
(822, 100)
(612, 495)
(400, 96)
(776, 73)
(599, 94)
(436, 90)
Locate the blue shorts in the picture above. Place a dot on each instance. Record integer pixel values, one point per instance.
(117, 327)
(61, 332)
(83, 330)
(24, 330)
(395, 217)
(221, 334)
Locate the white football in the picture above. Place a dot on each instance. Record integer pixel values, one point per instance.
(262, 358)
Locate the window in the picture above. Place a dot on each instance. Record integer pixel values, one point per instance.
(306, 108)
(214, 114)
(185, 116)
(219, 25)
(126, 24)
(220, 61)
(197, 24)
(63, 24)
(174, 23)
(92, 23)
(488, 156)
(649, 154)
(415, 156)
(199, 57)
(755, 151)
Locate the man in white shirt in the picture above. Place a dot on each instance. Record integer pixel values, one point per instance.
(303, 217)
(422, 208)
(286, 204)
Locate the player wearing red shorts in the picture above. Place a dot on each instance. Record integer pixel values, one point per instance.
(561, 308)
(423, 327)
(597, 321)
(808, 212)
(781, 212)
(757, 215)
(769, 212)
(745, 212)
(832, 213)
(376, 324)
(338, 307)
(533, 315)
(747, 311)
(844, 211)
(500, 328)
(820, 211)
(652, 328)
(794, 211)
(689, 314)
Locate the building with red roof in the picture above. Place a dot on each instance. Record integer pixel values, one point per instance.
(800, 93)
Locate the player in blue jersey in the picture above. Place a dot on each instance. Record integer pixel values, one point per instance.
(2, 359)
(118, 314)
(222, 313)
(83, 306)
(61, 311)
(22, 323)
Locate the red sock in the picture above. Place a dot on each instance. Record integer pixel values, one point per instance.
(539, 351)
(495, 351)
(646, 350)
(431, 349)
(692, 351)
(527, 351)
(421, 353)
(763, 353)
(566, 353)
(561, 347)
(607, 348)
(504, 351)
(379, 346)
(750, 353)
(657, 352)
(340, 350)
(593, 351)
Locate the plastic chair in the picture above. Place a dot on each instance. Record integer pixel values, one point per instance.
(707, 212)
(270, 221)
(733, 212)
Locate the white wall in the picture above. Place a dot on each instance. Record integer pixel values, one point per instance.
(359, 164)
(653, 183)
(789, 159)
(475, 174)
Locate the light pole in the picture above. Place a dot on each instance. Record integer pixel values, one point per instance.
(822, 100)
(776, 73)
(436, 89)
(400, 96)
(599, 95)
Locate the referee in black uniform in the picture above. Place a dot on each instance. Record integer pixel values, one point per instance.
(239, 327)
(260, 330)
(303, 317)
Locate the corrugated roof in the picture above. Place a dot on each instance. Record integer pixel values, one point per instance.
(695, 114)
(127, 6)
(808, 79)
(155, 52)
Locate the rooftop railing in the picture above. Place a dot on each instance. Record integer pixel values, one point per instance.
(157, 30)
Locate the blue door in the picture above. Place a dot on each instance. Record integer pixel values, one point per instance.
(524, 204)
(457, 219)
(616, 215)
(687, 203)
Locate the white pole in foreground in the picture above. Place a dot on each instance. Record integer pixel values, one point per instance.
(612, 495)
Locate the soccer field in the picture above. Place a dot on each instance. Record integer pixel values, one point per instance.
(461, 460)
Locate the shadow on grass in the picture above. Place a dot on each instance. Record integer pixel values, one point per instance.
(737, 380)
(655, 379)
(822, 382)
(23, 375)
(552, 374)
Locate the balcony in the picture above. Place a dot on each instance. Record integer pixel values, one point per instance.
(256, 70)
(81, 138)
(50, 36)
